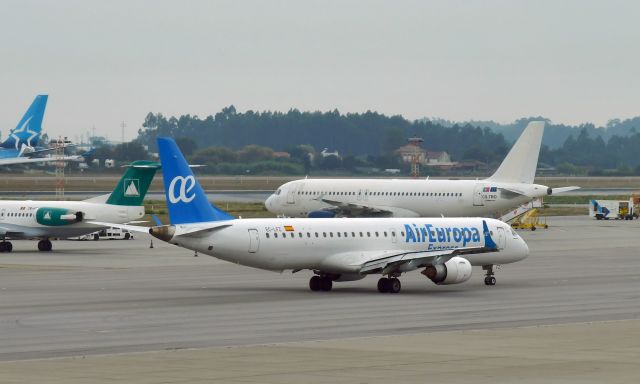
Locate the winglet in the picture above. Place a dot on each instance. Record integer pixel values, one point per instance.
(488, 241)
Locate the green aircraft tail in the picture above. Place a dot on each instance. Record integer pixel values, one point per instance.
(134, 184)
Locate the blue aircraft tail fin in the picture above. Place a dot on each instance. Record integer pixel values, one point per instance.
(488, 241)
(186, 200)
(27, 132)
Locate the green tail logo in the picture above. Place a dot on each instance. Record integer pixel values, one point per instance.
(134, 184)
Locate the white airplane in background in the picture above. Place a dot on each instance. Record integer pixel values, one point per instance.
(334, 249)
(510, 186)
(29, 219)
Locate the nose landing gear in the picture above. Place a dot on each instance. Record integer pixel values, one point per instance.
(489, 278)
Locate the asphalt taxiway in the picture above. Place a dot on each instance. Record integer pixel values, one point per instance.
(113, 298)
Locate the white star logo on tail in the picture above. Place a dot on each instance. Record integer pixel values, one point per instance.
(24, 128)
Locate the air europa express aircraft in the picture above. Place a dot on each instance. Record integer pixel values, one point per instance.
(346, 249)
(510, 186)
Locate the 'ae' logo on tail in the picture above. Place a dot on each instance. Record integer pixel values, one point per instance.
(185, 185)
(132, 187)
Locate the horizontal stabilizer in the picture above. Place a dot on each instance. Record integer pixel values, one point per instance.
(555, 191)
(130, 228)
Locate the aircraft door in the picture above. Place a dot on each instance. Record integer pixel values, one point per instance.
(254, 241)
(477, 195)
(2, 213)
(392, 233)
(366, 195)
(502, 239)
(291, 194)
(359, 194)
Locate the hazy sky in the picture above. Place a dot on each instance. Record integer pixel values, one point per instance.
(102, 62)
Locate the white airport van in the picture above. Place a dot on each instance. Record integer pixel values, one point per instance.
(106, 234)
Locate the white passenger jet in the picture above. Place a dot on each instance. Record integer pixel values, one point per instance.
(510, 186)
(28, 219)
(342, 249)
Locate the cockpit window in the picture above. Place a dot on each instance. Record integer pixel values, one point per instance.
(278, 192)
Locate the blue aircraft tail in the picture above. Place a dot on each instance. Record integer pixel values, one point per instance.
(27, 132)
(488, 241)
(186, 200)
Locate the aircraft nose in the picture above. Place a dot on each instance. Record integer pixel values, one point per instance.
(525, 249)
(269, 203)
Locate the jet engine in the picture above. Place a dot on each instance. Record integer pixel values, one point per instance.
(57, 216)
(456, 270)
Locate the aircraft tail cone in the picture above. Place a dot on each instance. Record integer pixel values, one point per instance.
(164, 232)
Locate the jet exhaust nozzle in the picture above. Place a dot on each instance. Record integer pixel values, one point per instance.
(163, 232)
(549, 191)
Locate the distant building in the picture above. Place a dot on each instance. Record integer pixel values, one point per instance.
(436, 158)
(414, 154)
(412, 151)
(281, 155)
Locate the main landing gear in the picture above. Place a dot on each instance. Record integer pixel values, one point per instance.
(489, 279)
(389, 285)
(320, 283)
(44, 245)
(324, 282)
(6, 246)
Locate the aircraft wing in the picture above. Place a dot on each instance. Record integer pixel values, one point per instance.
(45, 150)
(388, 263)
(28, 160)
(341, 208)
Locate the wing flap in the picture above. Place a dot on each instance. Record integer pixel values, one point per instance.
(418, 259)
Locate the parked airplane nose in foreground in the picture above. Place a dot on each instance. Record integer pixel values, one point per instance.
(346, 249)
(511, 185)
